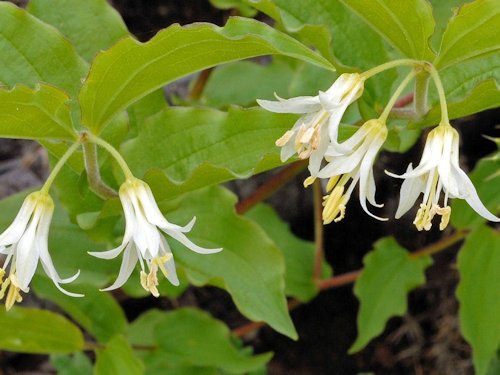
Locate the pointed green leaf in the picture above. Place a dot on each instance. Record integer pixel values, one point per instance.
(299, 254)
(32, 51)
(97, 312)
(193, 337)
(408, 27)
(130, 70)
(91, 25)
(41, 114)
(38, 331)
(117, 358)
(472, 32)
(479, 295)
(249, 267)
(389, 274)
(210, 146)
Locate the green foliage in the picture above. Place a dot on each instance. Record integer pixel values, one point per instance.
(90, 25)
(42, 113)
(38, 331)
(299, 254)
(117, 357)
(479, 295)
(97, 312)
(250, 267)
(173, 53)
(389, 274)
(190, 341)
(76, 364)
(407, 27)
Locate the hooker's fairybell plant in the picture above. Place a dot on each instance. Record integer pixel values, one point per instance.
(353, 159)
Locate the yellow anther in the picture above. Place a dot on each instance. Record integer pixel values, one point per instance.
(309, 181)
(332, 182)
(445, 213)
(283, 140)
(334, 205)
(160, 262)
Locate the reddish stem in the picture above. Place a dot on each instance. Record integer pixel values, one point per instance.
(404, 101)
(318, 230)
(271, 186)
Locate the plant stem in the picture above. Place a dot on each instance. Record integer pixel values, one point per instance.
(318, 230)
(96, 184)
(420, 93)
(387, 110)
(57, 168)
(440, 89)
(116, 155)
(271, 186)
(200, 83)
(389, 65)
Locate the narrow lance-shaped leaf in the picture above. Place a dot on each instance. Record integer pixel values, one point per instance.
(32, 52)
(389, 274)
(91, 25)
(472, 32)
(479, 295)
(42, 113)
(130, 70)
(407, 26)
(38, 331)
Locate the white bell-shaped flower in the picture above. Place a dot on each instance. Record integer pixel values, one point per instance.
(143, 242)
(438, 172)
(312, 133)
(24, 243)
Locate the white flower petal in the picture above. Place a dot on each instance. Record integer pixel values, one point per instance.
(14, 232)
(410, 190)
(189, 244)
(300, 104)
(27, 254)
(170, 264)
(129, 261)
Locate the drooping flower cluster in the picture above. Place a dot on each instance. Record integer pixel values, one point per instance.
(315, 136)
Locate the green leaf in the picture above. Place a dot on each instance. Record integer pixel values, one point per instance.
(76, 364)
(38, 331)
(193, 337)
(91, 25)
(299, 254)
(249, 267)
(32, 52)
(41, 113)
(97, 312)
(443, 10)
(210, 146)
(130, 70)
(117, 358)
(472, 32)
(486, 179)
(407, 26)
(389, 274)
(479, 295)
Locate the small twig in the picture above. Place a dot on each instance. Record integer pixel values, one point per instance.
(271, 186)
(318, 230)
(199, 85)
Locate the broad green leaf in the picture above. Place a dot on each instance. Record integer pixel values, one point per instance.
(190, 341)
(486, 179)
(240, 5)
(472, 32)
(32, 52)
(389, 274)
(76, 364)
(299, 254)
(494, 365)
(215, 145)
(194, 337)
(91, 25)
(353, 42)
(117, 358)
(38, 331)
(130, 70)
(97, 312)
(240, 83)
(41, 113)
(408, 27)
(479, 295)
(249, 267)
(443, 10)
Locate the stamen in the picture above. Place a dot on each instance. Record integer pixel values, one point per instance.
(445, 213)
(13, 294)
(332, 182)
(283, 140)
(333, 206)
(309, 181)
(160, 262)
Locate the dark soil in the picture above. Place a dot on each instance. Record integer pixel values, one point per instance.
(425, 341)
